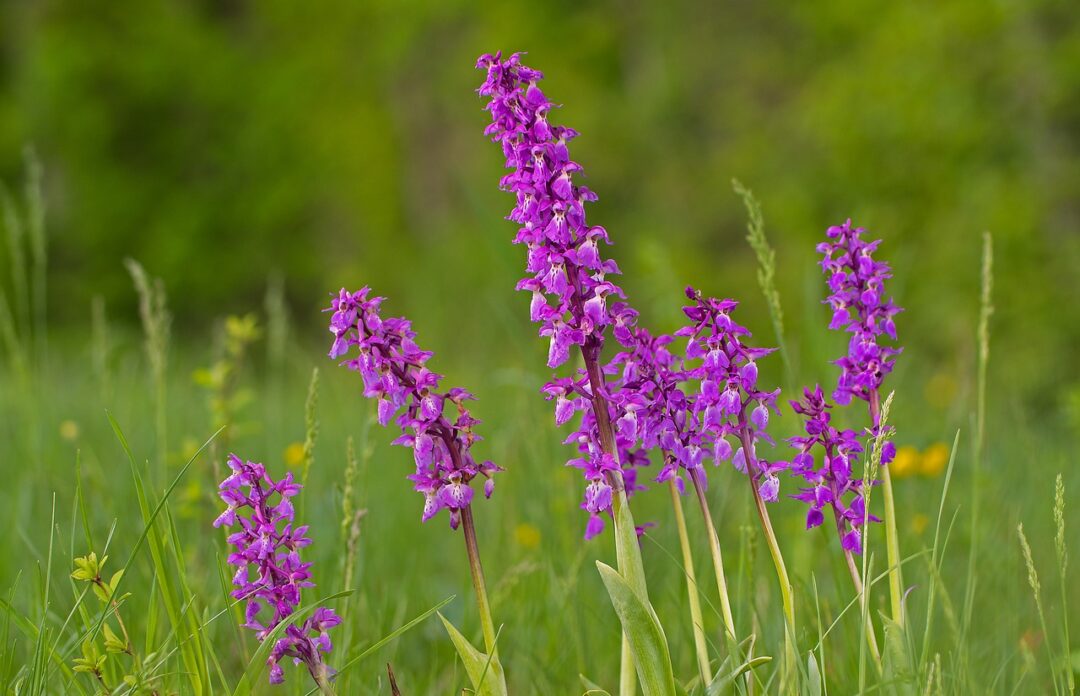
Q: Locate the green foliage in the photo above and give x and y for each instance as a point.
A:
(642, 629)
(485, 671)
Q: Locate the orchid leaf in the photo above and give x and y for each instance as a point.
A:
(485, 673)
(642, 628)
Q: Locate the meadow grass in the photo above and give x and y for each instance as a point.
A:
(109, 438)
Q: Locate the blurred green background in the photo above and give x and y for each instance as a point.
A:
(239, 147)
(223, 142)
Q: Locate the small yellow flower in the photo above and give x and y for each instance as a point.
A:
(69, 430)
(934, 459)
(919, 523)
(905, 463)
(527, 536)
(294, 454)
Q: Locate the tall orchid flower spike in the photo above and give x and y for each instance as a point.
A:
(576, 302)
(731, 403)
(574, 297)
(860, 307)
(268, 544)
(436, 425)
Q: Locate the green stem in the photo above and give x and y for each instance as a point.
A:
(319, 674)
(697, 623)
(482, 604)
(627, 670)
(717, 561)
(871, 637)
(627, 553)
(892, 549)
(892, 540)
(786, 594)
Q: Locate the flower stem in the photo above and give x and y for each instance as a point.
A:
(319, 674)
(697, 624)
(627, 555)
(774, 550)
(717, 560)
(482, 604)
(892, 540)
(871, 637)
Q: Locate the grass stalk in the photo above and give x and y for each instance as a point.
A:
(1062, 553)
(1036, 591)
(871, 635)
(311, 424)
(154, 314)
(892, 539)
(766, 274)
(986, 310)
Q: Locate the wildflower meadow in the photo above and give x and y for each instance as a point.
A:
(571, 451)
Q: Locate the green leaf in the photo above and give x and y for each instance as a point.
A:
(100, 592)
(113, 643)
(896, 660)
(485, 673)
(377, 645)
(725, 676)
(813, 672)
(642, 628)
(592, 688)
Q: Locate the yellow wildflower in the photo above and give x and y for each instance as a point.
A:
(294, 454)
(69, 430)
(527, 536)
(905, 463)
(934, 459)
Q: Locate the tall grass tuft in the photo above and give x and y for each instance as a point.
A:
(156, 321)
(311, 424)
(1036, 591)
(766, 274)
(986, 311)
(1062, 553)
(350, 515)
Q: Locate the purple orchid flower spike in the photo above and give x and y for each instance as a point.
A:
(395, 373)
(573, 296)
(860, 306)
(437, 426)
(729, 402)
(268, 544)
